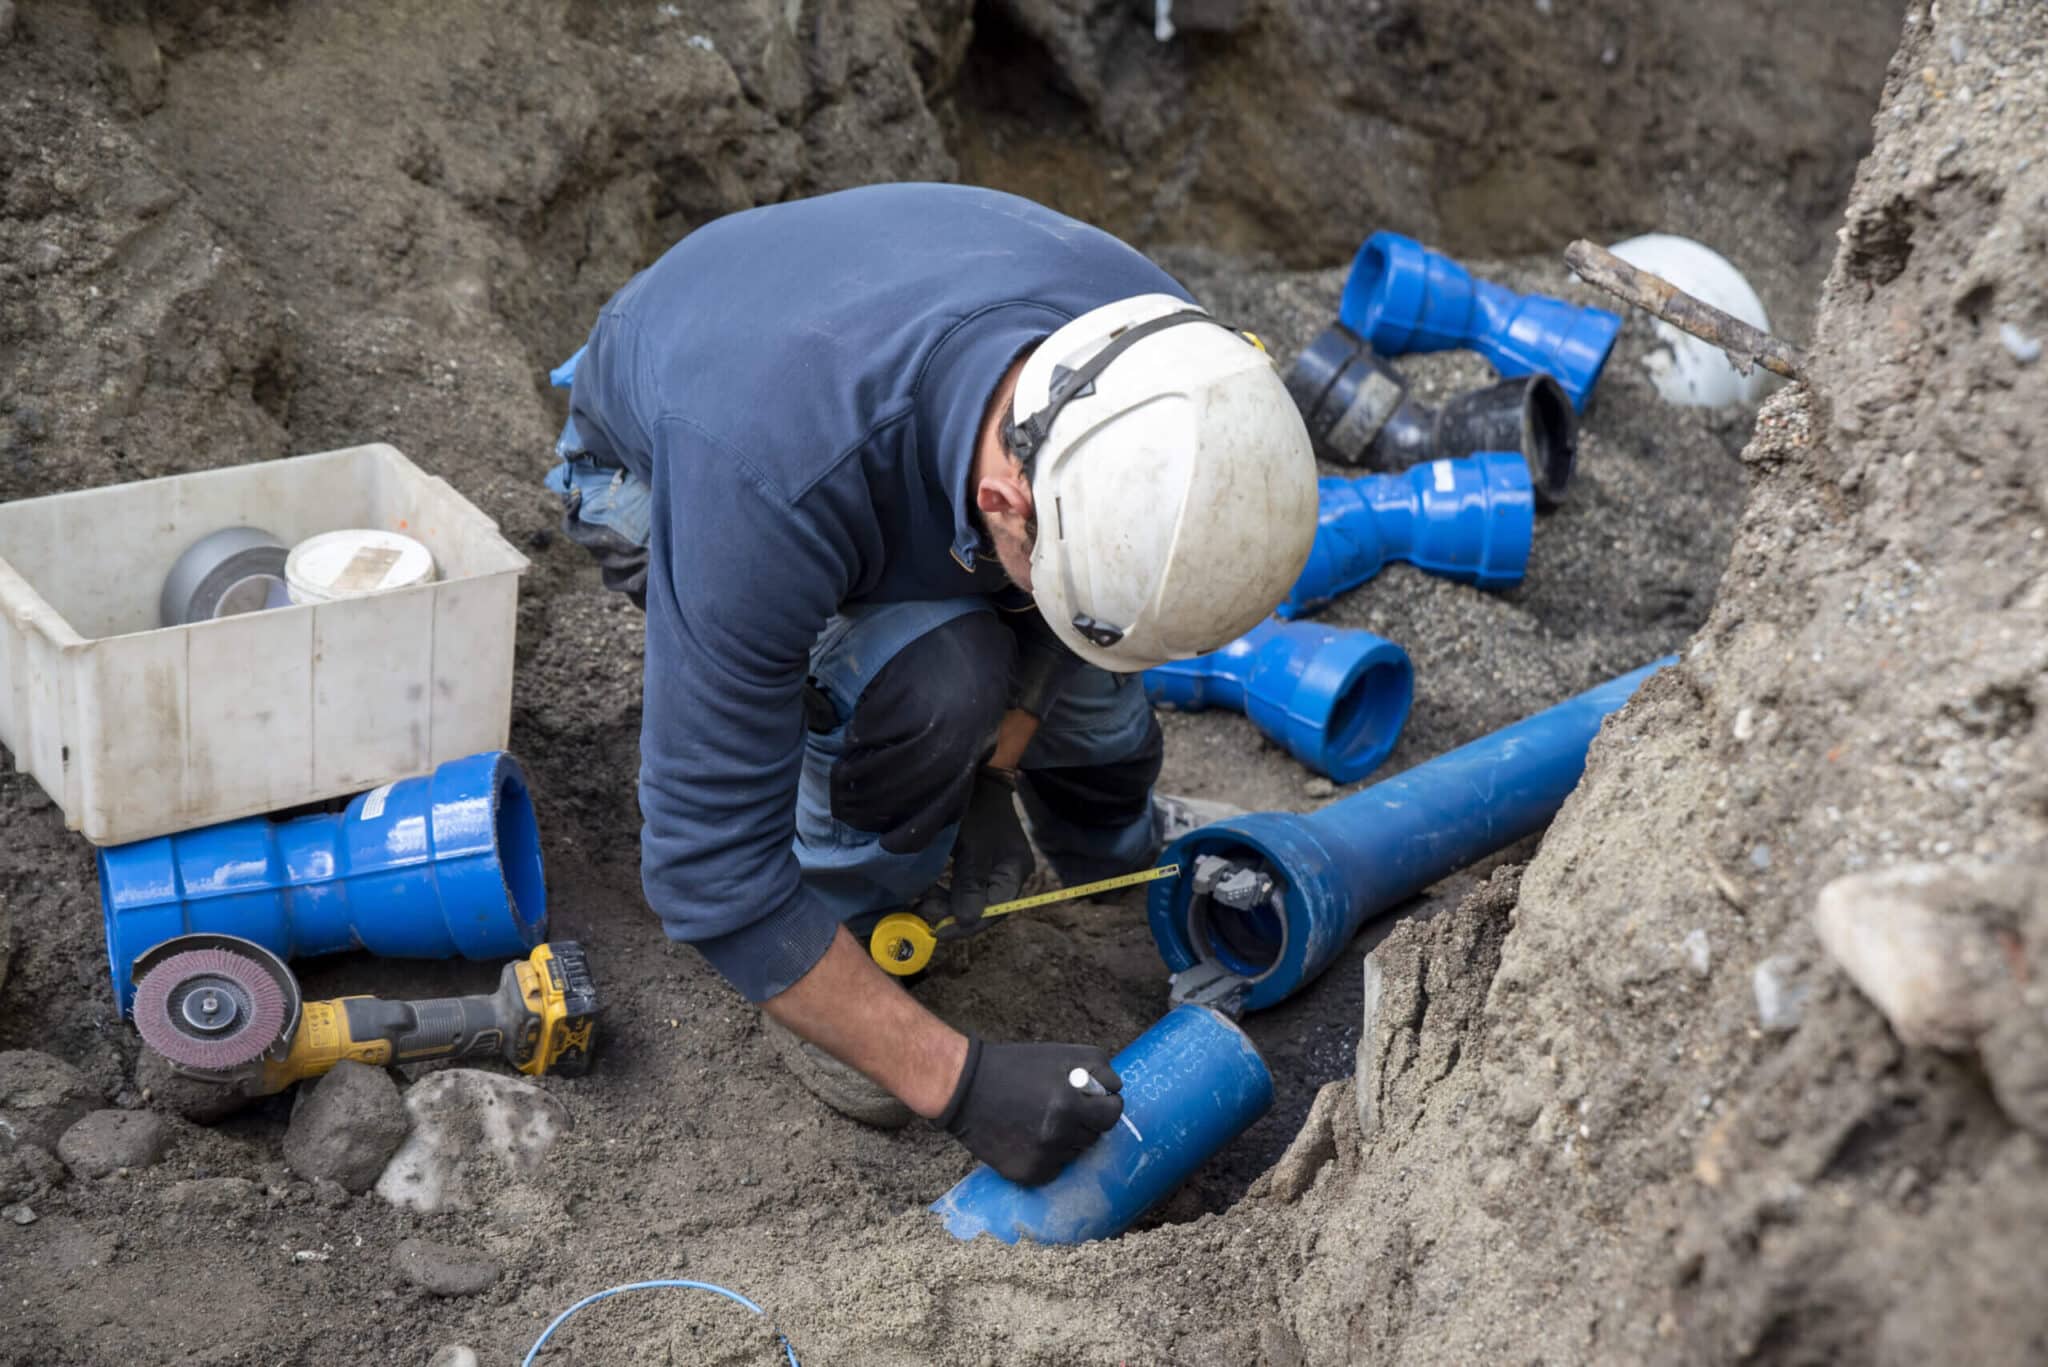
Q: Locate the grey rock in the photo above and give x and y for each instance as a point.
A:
(473, 1134)
(330, 1195)
(1698, 951)
(443, 1269)
(1908, 938)
(346, 1126)
(1319, 787)
(454, 1355)
(2020, 346)
(105, 1140)
(20, 1215)
(6, 22)
(1780, 998)
(214, 1195)
(40, 1097)
(202, 1103)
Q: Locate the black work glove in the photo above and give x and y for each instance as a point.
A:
(1015, 1110)
(991, 857)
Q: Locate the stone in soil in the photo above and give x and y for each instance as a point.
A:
(40, 1098)
(346, 1126)
(454, 1355)
(105, 1140)
(1905, 938)
(443, 1269)
(473, 1133)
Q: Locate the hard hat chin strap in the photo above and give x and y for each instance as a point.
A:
(1027, 437)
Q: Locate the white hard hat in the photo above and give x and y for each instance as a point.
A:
(1173, 479)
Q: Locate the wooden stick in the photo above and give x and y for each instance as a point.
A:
(1746, 346)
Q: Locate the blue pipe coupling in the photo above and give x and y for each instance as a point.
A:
(1334, 698)
(1265, 902)
(429, 868)
(1192, 1083)
(1471, 520)
(1403, 297)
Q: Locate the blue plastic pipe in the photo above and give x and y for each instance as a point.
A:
(1192, 1083)
(1403, 297)
(1334, 698)
(1471, 520)
(1340, 867)
(430, 868)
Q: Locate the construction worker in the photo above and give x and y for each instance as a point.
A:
(909, 480)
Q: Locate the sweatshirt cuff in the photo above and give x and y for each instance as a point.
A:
(765, 958)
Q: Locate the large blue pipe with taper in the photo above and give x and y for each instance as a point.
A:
(1470, 519)
(434, 867)
(1334, 698)
(1192, 1083)
(1268, 900)
(1402, 297)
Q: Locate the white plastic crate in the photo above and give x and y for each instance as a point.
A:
(138, 731)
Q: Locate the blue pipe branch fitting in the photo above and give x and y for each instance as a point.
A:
(1192, 1083)
(1316, 879)
(433, 867)
(1403, 297)
(1471, 520)
(1334, 698)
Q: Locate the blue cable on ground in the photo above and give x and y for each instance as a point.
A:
(597, 1296)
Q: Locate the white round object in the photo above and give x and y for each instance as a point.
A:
(1687, 371)
(353, 563)
(1176, 496)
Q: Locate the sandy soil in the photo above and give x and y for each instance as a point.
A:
(231, 232)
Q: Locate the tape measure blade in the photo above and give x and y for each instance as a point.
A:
(1043, 899)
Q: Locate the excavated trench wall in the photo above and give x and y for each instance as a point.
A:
(231, 231)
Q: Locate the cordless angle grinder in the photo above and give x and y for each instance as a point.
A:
(227, 1010)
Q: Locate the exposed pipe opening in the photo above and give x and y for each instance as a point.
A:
(1552, 436)
(1371, 706)
(1248, 937)
(518, 839)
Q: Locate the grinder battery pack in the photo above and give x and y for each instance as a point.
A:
(227, 1010)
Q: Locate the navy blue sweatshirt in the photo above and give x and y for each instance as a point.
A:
(801, 387)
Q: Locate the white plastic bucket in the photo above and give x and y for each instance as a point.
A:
(354, 563)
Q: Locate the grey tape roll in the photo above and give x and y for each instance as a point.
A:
(233, 570)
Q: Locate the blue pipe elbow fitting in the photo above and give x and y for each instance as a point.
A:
(433, 867)
(1315, 879)
(1335, 699)
(1403, 297)
(1471, 520)
(1192, 1083)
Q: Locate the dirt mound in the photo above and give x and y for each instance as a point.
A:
(230, 231)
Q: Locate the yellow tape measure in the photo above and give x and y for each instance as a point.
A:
(903, 941)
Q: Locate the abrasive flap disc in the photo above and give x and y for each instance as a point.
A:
(210, 1009)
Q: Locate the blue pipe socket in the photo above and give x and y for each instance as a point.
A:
(1192, 1083)
(1335, 699)
(1265, 902)
(1402, 297)
(1471, 520)
(429, 868)
(1359, 412)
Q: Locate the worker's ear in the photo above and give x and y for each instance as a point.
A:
(1003, 494)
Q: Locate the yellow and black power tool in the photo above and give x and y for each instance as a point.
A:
(227, 1010)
